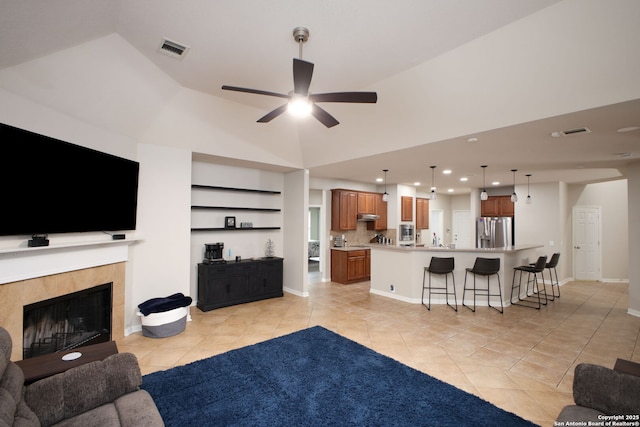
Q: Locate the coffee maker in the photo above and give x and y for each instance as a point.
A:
(213, 253)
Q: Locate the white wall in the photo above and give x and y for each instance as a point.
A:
(296, 223)
(160, 262)
(633, 176)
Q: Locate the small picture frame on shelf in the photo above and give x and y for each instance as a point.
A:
(229, 222)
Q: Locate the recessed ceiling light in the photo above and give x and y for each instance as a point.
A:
(464, 179)
(379, 179)
(624, 155)
(628, 129)
(495, 183)
(416, 183)
(472, 139)
(450, 190)
(446, 171)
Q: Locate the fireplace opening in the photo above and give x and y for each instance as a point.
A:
(66, 322)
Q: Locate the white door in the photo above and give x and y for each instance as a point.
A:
(463, 234)
(586, 243)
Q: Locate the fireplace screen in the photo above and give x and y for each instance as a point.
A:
(66, 322)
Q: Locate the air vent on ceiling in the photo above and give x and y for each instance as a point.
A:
(575, 131)
(172, 48)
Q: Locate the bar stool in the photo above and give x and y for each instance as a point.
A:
(484, 267)
(551, 266)
(538, 267)
(442, 266)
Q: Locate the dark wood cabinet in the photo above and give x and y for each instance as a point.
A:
(422, 213)
(406, 208)
(350, 266)
(497, 206)
(225, 284)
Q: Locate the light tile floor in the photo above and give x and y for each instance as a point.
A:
(521, 361)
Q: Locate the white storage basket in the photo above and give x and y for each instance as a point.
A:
(165, 324)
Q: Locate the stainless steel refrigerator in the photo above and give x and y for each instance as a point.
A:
(494, 232)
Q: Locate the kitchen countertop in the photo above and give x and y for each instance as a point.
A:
(352, 248)
(509, 249)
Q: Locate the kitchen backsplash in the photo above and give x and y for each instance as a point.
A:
(361, 236)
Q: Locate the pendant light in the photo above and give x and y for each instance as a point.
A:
(433, 187)
(528, 192)
(484, 195)
(385, 196)
(514, 196)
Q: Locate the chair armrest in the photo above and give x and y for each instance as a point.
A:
(83, 388)
(606, 390)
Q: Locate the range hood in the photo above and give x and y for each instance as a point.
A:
(367, 217)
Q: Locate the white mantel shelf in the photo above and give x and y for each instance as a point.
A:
(22, 263)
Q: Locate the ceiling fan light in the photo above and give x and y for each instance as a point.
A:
(299, 107)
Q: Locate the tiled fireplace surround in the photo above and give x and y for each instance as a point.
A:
(16, 294)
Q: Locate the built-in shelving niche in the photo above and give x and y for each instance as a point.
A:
(239, 209)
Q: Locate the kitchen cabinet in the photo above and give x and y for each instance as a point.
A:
(366, 203)
(406, 210)
(379, 224)
(350, 266)
(344, 210)
(225, 284)
(422, 213)
(497, 206)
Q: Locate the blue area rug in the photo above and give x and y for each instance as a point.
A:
(313, 377)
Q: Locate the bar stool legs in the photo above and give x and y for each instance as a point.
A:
(483, 267)
(551, 267)
(532, 288)
(440, 266)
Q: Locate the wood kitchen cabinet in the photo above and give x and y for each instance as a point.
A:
(344, 209)
(497, 206)
(380, 210)
(422, 213)
(350, 266)
(366, 203)
(406, 211)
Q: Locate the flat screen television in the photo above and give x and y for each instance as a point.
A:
(51, 186)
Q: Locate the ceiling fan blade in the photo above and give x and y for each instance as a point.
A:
(302, 73)
(273, 114)
(363, 97)
(255, 91)
(325, 118)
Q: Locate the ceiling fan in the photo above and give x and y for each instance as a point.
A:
(300, 96)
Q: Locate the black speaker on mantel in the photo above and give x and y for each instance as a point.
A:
(37, 241)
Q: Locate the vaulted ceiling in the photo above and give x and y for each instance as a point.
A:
(507, 73)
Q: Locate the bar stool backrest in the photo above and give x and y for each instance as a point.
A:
(540, 264)
(486, 266)
(441, 265)
(553, 262)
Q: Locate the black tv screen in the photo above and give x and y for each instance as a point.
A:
(51, 186)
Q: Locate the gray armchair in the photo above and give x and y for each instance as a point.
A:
(599, 391)
(104, 393)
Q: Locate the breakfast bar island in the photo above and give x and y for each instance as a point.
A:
(397, 271)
